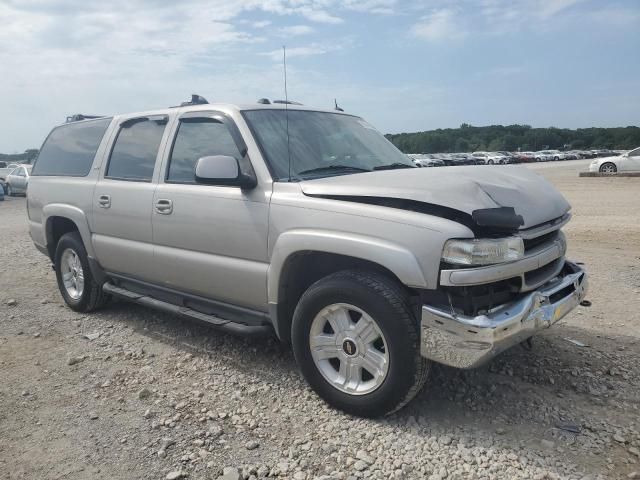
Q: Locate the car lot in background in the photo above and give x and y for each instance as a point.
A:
(17, 180)
(506, 157)
(627, 162)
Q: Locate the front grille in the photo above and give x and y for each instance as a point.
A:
(547, 238)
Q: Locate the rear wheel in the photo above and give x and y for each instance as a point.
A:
(490, 162)
(608, 167)
(357, 343)
(75, 281)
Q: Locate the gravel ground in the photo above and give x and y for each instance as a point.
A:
(135, 394)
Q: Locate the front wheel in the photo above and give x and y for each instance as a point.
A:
(608, 167)
(76, 283)
(357, 343)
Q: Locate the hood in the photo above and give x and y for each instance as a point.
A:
(464, 189)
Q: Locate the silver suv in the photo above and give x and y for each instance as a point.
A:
(308, 223)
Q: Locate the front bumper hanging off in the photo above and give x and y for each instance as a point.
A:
(467, 342)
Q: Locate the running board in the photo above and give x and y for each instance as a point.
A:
(217, 322)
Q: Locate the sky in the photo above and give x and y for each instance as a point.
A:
(403, 65)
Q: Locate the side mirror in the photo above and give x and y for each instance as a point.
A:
(222, 170)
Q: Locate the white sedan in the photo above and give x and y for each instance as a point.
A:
(627, 162)
(18, 180)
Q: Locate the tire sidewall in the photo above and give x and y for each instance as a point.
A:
(73, 241)
(400, 346)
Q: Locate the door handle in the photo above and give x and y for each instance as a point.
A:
(164, 206)
(104, 201)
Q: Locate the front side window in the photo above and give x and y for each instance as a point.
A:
(69, 149)
(197, 138)
(321, 144)
(134, 153)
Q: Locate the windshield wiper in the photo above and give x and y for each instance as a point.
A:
(334, 168)
(393, 166)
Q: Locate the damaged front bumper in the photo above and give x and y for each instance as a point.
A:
(467, 342)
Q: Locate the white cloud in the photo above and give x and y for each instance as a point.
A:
(304, 51)
(439, 25)
(293, 30)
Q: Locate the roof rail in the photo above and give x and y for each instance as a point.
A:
(195, 100)
(78, 117)
(286, 102)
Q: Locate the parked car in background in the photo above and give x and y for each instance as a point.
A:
(627, 162)
(6, 169)
(428, 160)
(543, 157)
(18, 180)
(1, 195)
(525, 157)
(490, 158)
(510, 156)
(463, 159)
(604, 152)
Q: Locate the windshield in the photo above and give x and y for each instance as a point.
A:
(321, 144)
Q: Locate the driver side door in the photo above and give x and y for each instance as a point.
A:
(210, 240)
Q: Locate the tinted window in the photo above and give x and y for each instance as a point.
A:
(320, 140)
(70, 149)
(198, 138)
(134, 154)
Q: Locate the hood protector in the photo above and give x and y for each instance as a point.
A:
(484, 198)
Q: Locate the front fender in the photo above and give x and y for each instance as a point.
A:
(394, 258)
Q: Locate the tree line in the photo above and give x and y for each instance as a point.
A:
(493, 138)
(25, 157)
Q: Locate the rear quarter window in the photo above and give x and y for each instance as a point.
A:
(69, 149)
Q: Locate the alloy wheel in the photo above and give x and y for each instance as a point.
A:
(349, 349)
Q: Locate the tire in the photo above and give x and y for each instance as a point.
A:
(376, 298)
(555, 159)
(90, 296)
(490, 162)
(608, 167)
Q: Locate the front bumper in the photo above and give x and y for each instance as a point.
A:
(467, 342)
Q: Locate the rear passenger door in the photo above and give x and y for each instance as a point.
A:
(123, 196)
(210, 240)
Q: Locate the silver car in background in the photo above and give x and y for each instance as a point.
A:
(18, 180)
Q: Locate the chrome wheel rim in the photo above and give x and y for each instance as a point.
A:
(608, 169)
(72, 273)
(349, 349)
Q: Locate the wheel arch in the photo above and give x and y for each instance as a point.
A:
(59, 219)
(302, 257)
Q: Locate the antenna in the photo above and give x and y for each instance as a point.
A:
(286, 104)
(335, 102)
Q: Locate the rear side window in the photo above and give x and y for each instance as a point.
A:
(196, 138)
(134, 153)
(69, 149)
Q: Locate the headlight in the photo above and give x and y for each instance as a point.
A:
(483, 251)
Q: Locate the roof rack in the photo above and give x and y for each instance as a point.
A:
(195, 100)
(286, 102)
(78, 117)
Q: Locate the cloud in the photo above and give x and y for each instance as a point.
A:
(293, 30)
(304, 51)
(439, 25)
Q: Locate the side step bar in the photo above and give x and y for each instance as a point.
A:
(217, 322)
